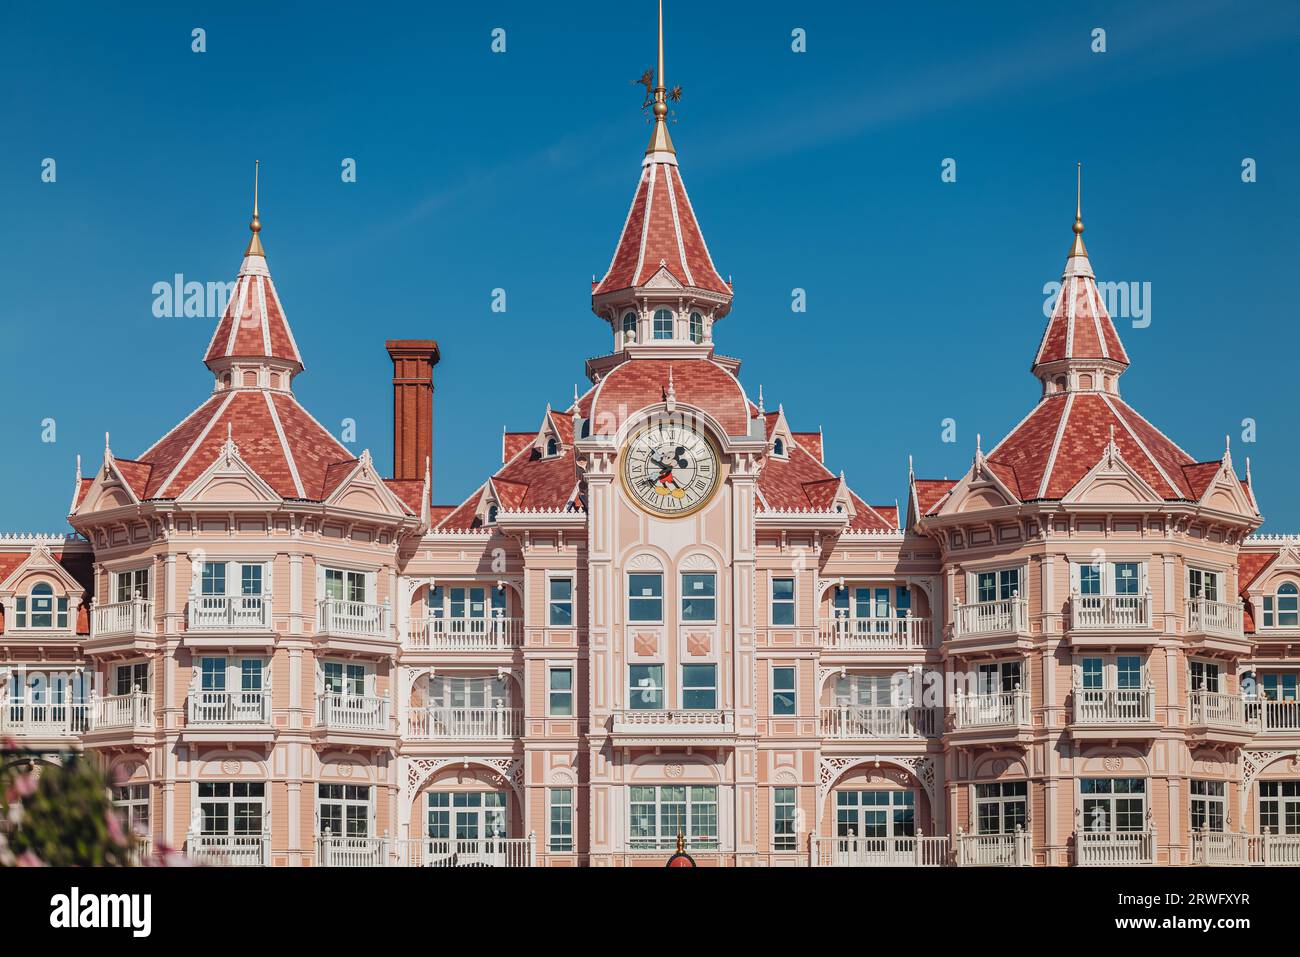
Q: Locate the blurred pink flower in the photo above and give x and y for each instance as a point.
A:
(115, 832)
(29, 859)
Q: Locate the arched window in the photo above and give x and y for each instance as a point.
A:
(586, 428)
(697, 328)
(778, 448)
(663, 324)
(629, 327)
(40, 609)
(492, 514)
(1283, 609)
(552, 448)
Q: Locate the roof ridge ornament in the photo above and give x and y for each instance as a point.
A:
(255, 226)
(1077, 248)
(670, 395)
(657, 99)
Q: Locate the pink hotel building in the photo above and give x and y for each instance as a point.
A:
(663, 614)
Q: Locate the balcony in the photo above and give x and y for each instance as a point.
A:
(221, 621)
(988, 718)
(994, 850)
(253, 850)
(121, 625)
(356, 720)
(990, 625)
(450, 852)
(918, 851)
(1098, 619)
(1212, 715)
(121, 719)
(33, 722)
(469, 635)
(1114, 848)
(353, 851)
(1114, 713)
(1224, 849)
(1273, 717)
(352, 626)
(851, 722)
(223, 716)
(649, 726)
(876, 634)
(1216, 628)
(493, 723)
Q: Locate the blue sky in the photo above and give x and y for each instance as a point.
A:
(818, 170)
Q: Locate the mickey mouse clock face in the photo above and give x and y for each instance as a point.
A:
(670, 469)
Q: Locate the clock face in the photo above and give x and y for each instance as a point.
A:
(670, 469)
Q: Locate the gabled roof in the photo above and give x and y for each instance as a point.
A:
(929, 494)
(800, 482)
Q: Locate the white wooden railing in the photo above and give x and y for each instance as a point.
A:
(27, 719)
(134, 617)
(1005, 617)
(1109, 612)
(1003, 709)
(349, 712)
(994, 850)
(918, 851)
(452, 852)
(845, 633)
(1227, 849)
(464, 634)
(140, 853)
(351, 619)
(1114, 705)
(1216, 709)
(1114, 848)
(335, 851)
(229, 613)
(464, 724)
(686, 722)
(1273, 717)
(885, 721)
(1219, 618)
(253, 850)
(222, 708)
(133, 710)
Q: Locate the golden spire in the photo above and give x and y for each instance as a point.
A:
(255, 244)
(1077, 249)
(660, 141)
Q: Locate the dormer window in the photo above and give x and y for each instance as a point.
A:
(663, 324)
(552, 448)
(778, 448)
(697, 328)
(40, 609)
(629, 327)
(492, 515)
(1282, 610)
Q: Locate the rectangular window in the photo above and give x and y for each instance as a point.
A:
(1114, 804)
(1282, 609)
(645, 597)
(645, 687)
(1279, 685)
(343, 585)
(132, 677)
(1204, 675)
(561, 603)
(783, 601)
(998, 585)
(466, 815)
(132, 805)
(1202, 584)
(699, 601)
(656, 815)
(231, 809)
(999, 676)
(1128, 578)
(875, 814)
(250, 579)
(214, 578)
(560, 701)
(344, 678)
(700, 687)
(1090, 579)
(561, 819)
(784, 816)
(446, 691)
(213, 674)
(437, 602)
(1000, 808)
(783, 691)
(344, 810)
(1208, 805)
(1279, 807)
(127, 584)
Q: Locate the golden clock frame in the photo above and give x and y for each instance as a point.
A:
(684, 513)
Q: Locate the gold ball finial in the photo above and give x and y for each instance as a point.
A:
(1077, 247)
(255, 244)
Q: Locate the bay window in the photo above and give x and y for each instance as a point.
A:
(1203, 584)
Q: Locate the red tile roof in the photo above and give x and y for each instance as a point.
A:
(1080, 327)
(512, 442)
(702, 383)
(254, 324)
(930, 494)
(812, 441)
(408, 491)
(661, 229)
(801, 482)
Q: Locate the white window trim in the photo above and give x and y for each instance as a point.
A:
(571, 667)
(772, 689)
(662, 689)
(772, 576)
(572, 578)
(627, 596)
(371, 817)
(682, 596)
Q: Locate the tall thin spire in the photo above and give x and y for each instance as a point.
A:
(1077, 249)
(255, 244)
(660, 141)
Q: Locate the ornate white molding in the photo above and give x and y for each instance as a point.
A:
(920, 766)
(419, 770)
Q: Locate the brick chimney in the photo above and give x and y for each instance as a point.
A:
(413, 362)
